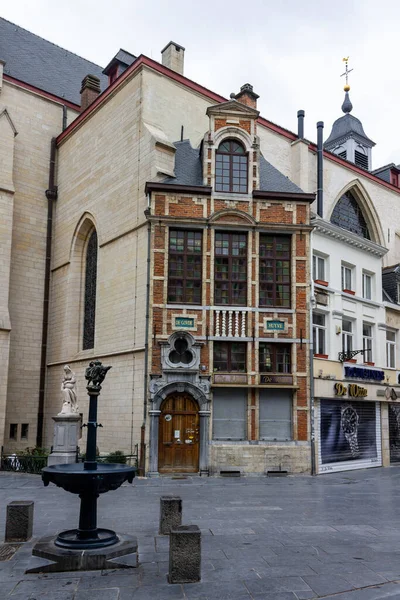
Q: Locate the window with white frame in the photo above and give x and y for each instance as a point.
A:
(390, 349)
(347, 336)
(347, 277)
(319, 267)
(319, 333)
(366, 285)
(367, 342)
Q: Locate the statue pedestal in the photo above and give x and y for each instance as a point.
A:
(65, 441)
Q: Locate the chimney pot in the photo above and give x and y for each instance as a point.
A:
(173, 56)
(90, 89)
(247, 96)
(300, 123)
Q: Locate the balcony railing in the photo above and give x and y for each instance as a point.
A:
(230, 323)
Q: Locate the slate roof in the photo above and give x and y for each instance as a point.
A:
(44, 65)
(344, 127)
(123, 58)
(188, 171)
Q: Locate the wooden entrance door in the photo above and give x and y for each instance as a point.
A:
(178, 439)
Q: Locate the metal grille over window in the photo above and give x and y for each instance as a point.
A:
(348, 215)
(231, 168)
(230, 269)
(90, 292)
(185, 265)
(274, 271)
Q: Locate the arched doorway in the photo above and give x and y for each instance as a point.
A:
(179, 435)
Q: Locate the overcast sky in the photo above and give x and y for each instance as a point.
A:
(290, 50)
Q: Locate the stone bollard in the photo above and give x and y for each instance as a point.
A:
(19, 522)
(170, 513)
(185, 554)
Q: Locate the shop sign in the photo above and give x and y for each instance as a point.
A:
(284, 379)
(353, 390)
(184, 323)
(274, 325)
(229, 378)
(364, 373)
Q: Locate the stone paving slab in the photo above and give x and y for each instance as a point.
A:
(335, 537)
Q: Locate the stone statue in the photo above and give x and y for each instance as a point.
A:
(68, 392)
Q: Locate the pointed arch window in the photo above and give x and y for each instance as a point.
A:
(89, 316)
(231, 168)
(348, 215)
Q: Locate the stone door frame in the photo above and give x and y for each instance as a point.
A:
(155, 411)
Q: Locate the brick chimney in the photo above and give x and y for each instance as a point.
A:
(173, 56)
(90, 89)
(247, 96)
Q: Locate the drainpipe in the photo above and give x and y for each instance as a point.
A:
(311, 350)
(320, 173)
(146, 347)
(300, 124)
(51, 195)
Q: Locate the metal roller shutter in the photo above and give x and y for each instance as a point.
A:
(349, 435)
(394, 432)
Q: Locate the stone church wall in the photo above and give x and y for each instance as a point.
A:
(37, 120)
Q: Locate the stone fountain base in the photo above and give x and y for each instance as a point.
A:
(122, 555)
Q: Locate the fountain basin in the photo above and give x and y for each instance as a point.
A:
(76, 479)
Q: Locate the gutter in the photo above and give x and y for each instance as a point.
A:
(51, 195)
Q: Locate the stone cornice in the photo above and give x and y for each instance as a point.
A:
(349, 238)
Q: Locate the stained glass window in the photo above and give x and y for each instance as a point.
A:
(348, 215)
(231, 168)
(90, 292)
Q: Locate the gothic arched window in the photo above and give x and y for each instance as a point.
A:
(231, 168)
(89, 316)
(348, 215)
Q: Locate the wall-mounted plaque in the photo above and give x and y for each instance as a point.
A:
(274, 325)
(184, 323)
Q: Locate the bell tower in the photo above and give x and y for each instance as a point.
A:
(348, 138)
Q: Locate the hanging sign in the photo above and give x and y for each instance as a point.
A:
(364, 373)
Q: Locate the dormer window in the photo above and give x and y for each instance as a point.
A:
(231, 168)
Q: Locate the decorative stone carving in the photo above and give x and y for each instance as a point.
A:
(68, 392)
(95, 375)
(181, 351)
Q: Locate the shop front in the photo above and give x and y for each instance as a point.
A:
(348, 421)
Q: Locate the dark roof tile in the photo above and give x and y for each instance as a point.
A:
(188, 171)
(44, 65)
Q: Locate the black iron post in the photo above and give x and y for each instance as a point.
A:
(91, 442)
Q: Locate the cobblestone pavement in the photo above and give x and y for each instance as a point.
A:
(335, 536)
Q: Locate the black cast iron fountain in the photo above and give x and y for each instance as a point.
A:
(89, 479)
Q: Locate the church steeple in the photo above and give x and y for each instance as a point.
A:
(348, 138)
